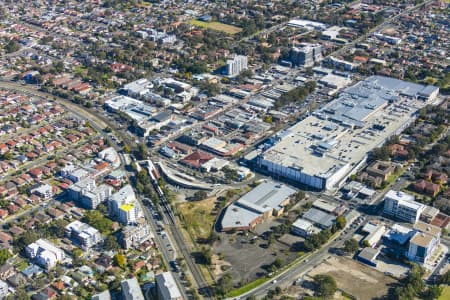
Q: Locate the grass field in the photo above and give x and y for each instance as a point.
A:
(230, 29)
(198, 217)
(445, 293)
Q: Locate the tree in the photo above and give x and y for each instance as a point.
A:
(111, 243)
(199, 195)
(351, 245)
(224, 284)
(300, 195)
(340, 222)
(120, 260)
(126, 149)
(365, 243)
(432, 292)
(278, 263)
(98, 221)
(326, 286)
(445, 279)
(4, 255)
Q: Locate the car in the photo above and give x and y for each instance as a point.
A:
(274, 281)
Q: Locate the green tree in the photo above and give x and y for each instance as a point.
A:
(120, 260)
(111, 243)
(326, 286)
(4, 255)
(340, 222)
(126, 149)
(224, 284)
(98, 221)
(351, 245)
(199, 195)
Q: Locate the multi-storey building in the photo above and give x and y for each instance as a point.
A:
(88, 194)
(44, 253)
(306, 55)
(124, 206)
(83, 234)
(402, 206)
(236, 65)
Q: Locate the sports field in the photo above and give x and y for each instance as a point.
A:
(230, 29)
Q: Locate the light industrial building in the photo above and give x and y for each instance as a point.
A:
(303, 228)
(264, 201)
(236, 65)
(323, 149)
(166, 287)
(402, 206)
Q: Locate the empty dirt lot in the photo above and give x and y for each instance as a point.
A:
(356, 279)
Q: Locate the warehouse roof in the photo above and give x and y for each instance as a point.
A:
(319, 217)
(316, 148)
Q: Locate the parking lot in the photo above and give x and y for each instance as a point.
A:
(250, 258)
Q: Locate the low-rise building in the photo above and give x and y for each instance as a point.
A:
(303, 228)
(263, 202)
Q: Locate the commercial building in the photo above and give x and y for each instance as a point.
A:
(124, 206)
(402, 206)
(131, 290)
(374, 233)
(422, 247)
(88, 194)
(368, 256)
(83, 234)
(323, 149)
(303, 228)
(166, 287)
(319, 218)
(146, 116)
(263, 202)
(236, 65)
(44, 253)
(306, 55)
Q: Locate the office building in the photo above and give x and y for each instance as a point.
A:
(306, 55)
(166, 287)
(44, 253)
(236, 65)
(83, 234)
(422, 247)
(131, 290)
(402, 206)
